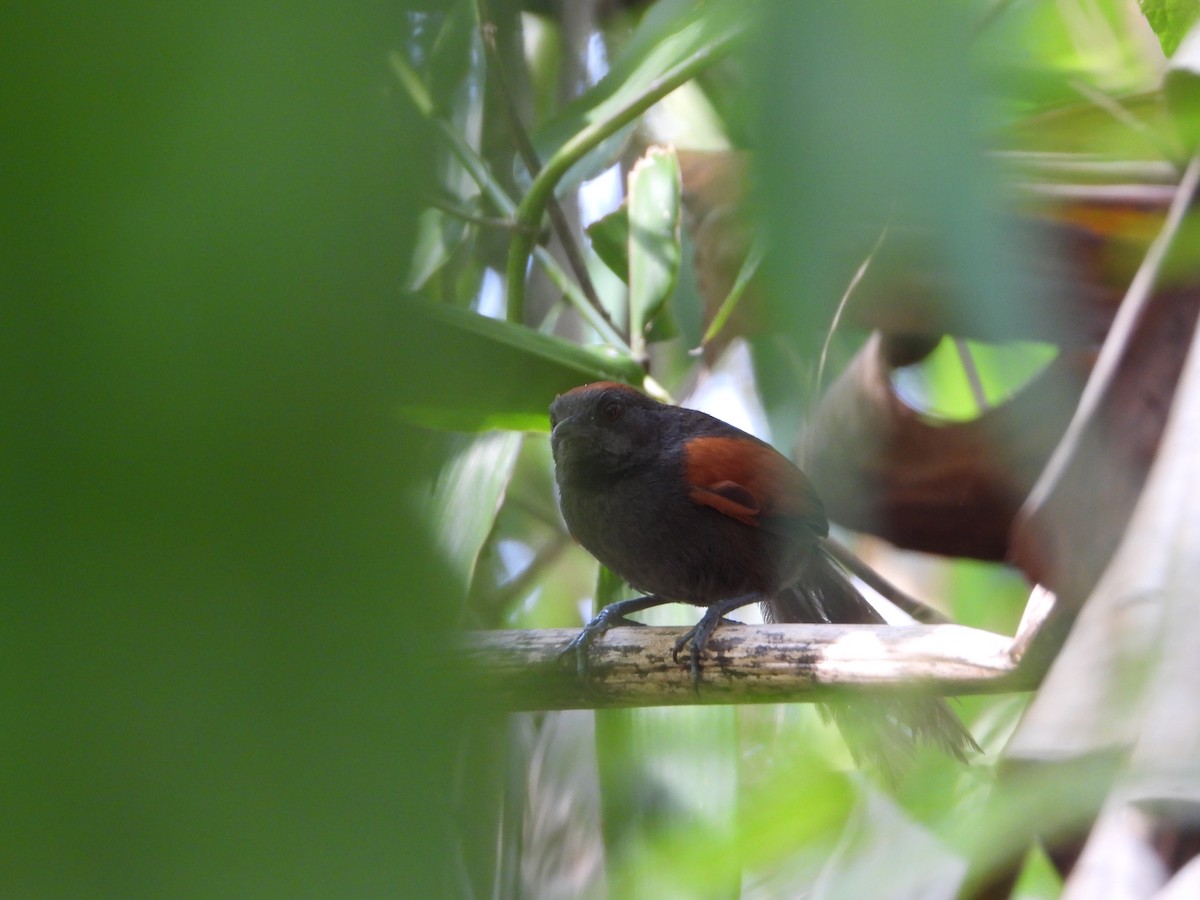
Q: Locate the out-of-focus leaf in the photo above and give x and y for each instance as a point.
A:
(690, 858)
(669, 33)
(686, 119)
(438, 235)
(543, 40)
(452, 58)
(1144, 131)
(1183, 89)
(745, 274)
(610, 240)
(1170, 20)
(469, 490)
(663, 328)
(1039, 879)
(654, 245)
(479, 373)
(1044, 58)
(868, 119)
(939, 387)
(224, 618)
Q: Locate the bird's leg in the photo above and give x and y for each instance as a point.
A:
(699, 633)
(609, 617)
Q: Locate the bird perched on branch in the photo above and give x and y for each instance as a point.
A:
(691, 509)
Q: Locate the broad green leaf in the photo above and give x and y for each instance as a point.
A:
(479, 373)
(654, 243)
(692, 857)
(1170, 20)
(669, 33)
(1046, 59)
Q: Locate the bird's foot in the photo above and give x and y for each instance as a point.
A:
(699, 633)
(698, 636)
(609, 617)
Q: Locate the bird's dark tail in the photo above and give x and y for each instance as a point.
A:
(878, 730)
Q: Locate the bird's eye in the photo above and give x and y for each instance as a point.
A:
(611, 411)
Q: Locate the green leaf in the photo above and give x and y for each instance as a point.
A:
(480, 373)
(610, 240)
(216, 582)
(654, 243)
(895, 143)
(1170, 20)
(939, 387)
(669, 33)
(745, 275)
(1182, 87)
(438, 235)
(1143, 132)
(468, 493)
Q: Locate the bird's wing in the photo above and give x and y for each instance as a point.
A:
(753, 483)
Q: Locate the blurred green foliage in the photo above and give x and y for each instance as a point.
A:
(224, 626)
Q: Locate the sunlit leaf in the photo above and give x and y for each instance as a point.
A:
(1170, 19)
(942, 386)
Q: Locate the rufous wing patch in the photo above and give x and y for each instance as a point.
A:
(752, 483)
(729, 498)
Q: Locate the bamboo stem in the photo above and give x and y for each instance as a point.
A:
(632, 667)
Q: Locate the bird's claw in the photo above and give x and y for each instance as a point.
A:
(697, 636)
(581, 644)
(687, 637)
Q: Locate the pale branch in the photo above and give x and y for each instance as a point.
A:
(632, 666)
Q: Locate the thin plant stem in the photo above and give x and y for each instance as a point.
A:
(558, 218)
(533, 205)
(478, 170)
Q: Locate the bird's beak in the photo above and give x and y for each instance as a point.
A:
(562, 426)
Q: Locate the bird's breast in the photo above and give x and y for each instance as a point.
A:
(659, 541)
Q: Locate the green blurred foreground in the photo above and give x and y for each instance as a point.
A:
(219, 612)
